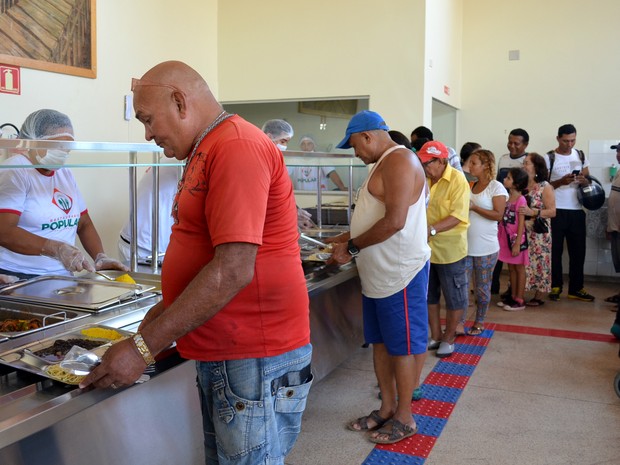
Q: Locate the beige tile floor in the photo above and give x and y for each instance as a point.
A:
(536, 400)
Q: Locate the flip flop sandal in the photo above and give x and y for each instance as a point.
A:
(535, 303)
(398, 432)
(476, 330)
(362, 422)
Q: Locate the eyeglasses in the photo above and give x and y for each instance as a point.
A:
(143, 82)
(426, 163)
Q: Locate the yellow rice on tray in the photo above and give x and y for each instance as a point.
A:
(102, 333)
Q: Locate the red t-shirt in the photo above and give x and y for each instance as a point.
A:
(237, 189)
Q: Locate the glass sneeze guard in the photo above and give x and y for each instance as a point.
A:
(350, 169)
(100, 155)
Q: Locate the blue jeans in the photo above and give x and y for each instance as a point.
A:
(252, 408)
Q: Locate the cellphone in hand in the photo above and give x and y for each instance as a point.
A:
(575, 172)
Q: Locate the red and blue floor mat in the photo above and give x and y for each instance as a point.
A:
(444, 385)
(442, 388)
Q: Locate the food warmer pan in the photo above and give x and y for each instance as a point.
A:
(71, 292)
(19, 318)
(37, 356)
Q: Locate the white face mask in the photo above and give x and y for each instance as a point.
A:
(282, 147)
(53, 157)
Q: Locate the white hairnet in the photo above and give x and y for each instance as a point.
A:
(277, 129)
(307, 143)
(43, 124)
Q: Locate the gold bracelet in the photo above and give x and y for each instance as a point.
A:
(143, 349)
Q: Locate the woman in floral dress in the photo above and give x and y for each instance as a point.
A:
(541, 202)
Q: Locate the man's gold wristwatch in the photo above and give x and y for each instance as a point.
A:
(143, 349)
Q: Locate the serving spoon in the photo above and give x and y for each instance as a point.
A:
(313, 240)
(109, 278)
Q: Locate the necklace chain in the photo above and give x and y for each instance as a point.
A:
(218, 120)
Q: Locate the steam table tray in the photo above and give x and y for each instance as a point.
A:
(78, 293)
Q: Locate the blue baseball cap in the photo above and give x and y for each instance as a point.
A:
(363, 121)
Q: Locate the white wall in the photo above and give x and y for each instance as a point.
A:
(444, 27)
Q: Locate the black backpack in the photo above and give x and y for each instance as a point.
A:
(551, 155)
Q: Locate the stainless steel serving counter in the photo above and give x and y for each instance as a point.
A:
(336, 328)
(42, 421)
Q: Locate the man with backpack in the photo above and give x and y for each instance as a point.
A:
(568, 168)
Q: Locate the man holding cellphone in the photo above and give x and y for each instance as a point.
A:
(568, 168)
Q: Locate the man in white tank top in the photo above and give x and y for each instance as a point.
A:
(388, 239)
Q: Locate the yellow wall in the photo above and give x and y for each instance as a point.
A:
(324, 48)
(131, 37)
(568, 72)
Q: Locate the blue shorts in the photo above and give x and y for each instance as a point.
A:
(451, 280)
(399, 321)
(252, 408)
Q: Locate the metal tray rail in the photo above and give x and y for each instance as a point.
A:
(148, 281)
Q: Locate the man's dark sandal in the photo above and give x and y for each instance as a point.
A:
(362, 422)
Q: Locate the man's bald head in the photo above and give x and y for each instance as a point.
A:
(175, 105)
(177, 74)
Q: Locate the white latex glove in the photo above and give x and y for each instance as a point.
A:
(70, 257)
(304, 219)
(103, 262)
(7, 279)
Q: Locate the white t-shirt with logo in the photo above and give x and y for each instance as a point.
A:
(48, 206)
(304, 177)
(566, 196)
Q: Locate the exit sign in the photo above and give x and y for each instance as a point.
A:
(9, 80)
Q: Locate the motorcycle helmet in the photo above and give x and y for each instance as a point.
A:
(591, 197)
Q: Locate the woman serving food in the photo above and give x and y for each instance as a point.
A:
(42, 210)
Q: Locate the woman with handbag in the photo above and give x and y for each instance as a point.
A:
(540, 207)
